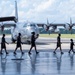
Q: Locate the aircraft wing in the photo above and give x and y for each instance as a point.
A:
(73, 24)
(8, 25)
(57, 25)
(11, 18)
(42, 24)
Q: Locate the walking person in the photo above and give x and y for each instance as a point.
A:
(3, 44)
(33, 43)
(18, 44)
(71, 46)
(58, 44)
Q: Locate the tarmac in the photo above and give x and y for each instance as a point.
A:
(41, 43)
(44, 63)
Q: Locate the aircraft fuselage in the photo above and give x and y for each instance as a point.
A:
(25, 30)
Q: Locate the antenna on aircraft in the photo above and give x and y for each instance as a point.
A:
(16, 11)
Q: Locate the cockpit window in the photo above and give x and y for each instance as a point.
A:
(25, 25)
(31, 25)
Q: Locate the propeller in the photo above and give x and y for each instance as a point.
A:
(2, 27)
(48, 25)
(70, 25)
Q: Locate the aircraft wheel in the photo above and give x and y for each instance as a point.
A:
(13, 40)
(28, 42)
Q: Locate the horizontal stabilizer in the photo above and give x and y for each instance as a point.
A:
(12, 18)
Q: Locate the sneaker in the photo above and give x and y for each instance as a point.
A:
(37, 52)
(22, 52)
(7, 53)
(62, 53)
(14, 52)
(29, 53)
(54, 52)
(69, 52)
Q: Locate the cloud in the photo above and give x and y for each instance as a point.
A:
(44, 5)
(40, 10)
(66, 9)
(23, 4)
(5, 8)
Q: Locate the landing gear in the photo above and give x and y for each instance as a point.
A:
(28, 42)
(13, 40)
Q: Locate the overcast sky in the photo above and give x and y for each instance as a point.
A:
(38, 11)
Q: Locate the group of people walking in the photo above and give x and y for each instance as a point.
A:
(18, 44)
(59, 45)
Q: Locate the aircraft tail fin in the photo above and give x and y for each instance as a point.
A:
(70, 21)
(16, 11)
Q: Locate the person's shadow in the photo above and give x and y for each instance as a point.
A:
(18, 63)
(3, 64)
(58, 61)
(33, 62)
(71, 60)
